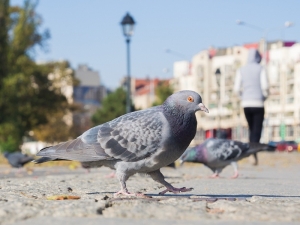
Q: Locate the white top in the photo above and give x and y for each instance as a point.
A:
(263, 84)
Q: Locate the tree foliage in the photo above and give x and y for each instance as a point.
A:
(113, 106)
(162, 92)
(28, 97)
(4, 12)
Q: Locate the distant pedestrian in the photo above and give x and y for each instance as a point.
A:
(251, 84)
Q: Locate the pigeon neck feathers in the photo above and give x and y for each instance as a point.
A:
(195, 154)
(201, 154)
(182, 122)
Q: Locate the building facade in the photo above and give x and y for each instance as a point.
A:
(143, 91)
(282, 118)
(88, 94)
(212, 73)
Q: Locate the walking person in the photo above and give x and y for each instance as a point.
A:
(251, 84)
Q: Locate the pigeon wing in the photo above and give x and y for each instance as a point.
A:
(131, 137)
(226, 150)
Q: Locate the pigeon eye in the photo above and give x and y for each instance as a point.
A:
(190, 99)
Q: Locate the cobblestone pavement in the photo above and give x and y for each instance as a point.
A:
(268, 192)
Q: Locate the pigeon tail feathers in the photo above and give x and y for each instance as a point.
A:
(74, 150)
(257, 147)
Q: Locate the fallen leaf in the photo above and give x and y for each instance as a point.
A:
(63, 197)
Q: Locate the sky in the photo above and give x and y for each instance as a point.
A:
(89, 31)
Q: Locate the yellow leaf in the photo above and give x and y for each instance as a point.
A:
(63, 197)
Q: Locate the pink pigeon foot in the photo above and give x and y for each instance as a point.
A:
(111, 175)
(235, 175)
(127, 193)
(215, 175)
(175, 190)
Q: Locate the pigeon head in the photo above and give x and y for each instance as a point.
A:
(6, 154)
(187, 101)
(195, 154)
(188, 156)
(179, 109)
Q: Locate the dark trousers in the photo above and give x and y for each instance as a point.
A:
(255, 118)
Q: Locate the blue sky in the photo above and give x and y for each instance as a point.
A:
(89, 31)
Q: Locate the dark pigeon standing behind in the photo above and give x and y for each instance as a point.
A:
(137, 142)
(17, 159)
(216, 154)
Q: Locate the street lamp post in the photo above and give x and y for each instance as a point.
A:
(127, 24)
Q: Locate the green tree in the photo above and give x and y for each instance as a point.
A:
(58, 127)
(27, 94)
(113, 106)
(4, 12)
(162, 92)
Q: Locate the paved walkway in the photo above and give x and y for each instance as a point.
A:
(268, 192)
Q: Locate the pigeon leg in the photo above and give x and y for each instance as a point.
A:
(122, 179)
(159, 177)
(124, 191)
(216, 173)
(235, 168)
(255, 159)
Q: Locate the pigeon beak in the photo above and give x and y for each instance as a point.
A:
(203, 108)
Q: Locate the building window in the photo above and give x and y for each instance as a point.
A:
(200, 135)
(245, 132)
(290, 100)
(290, 131)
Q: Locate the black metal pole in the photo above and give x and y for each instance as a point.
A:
(128, 96)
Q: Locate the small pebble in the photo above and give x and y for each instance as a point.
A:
(105, 197)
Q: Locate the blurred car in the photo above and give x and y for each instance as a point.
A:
(288, 146)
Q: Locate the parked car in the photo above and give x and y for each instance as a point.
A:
(288, 146)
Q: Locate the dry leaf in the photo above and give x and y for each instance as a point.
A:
(63, 197)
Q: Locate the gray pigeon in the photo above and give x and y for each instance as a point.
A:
(216, 154)
(17, 159)
(137, 142)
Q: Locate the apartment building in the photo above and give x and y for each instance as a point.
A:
(212, 73)
(282, 118)
(143, 91)
(89, 94)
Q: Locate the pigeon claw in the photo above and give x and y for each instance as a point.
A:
(175, 190)
(128, 194)
(235, 175)
(215, 175)
(111, 175)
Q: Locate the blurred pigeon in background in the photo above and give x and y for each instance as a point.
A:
(216, 154)
(17, 159)
(138, 142)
